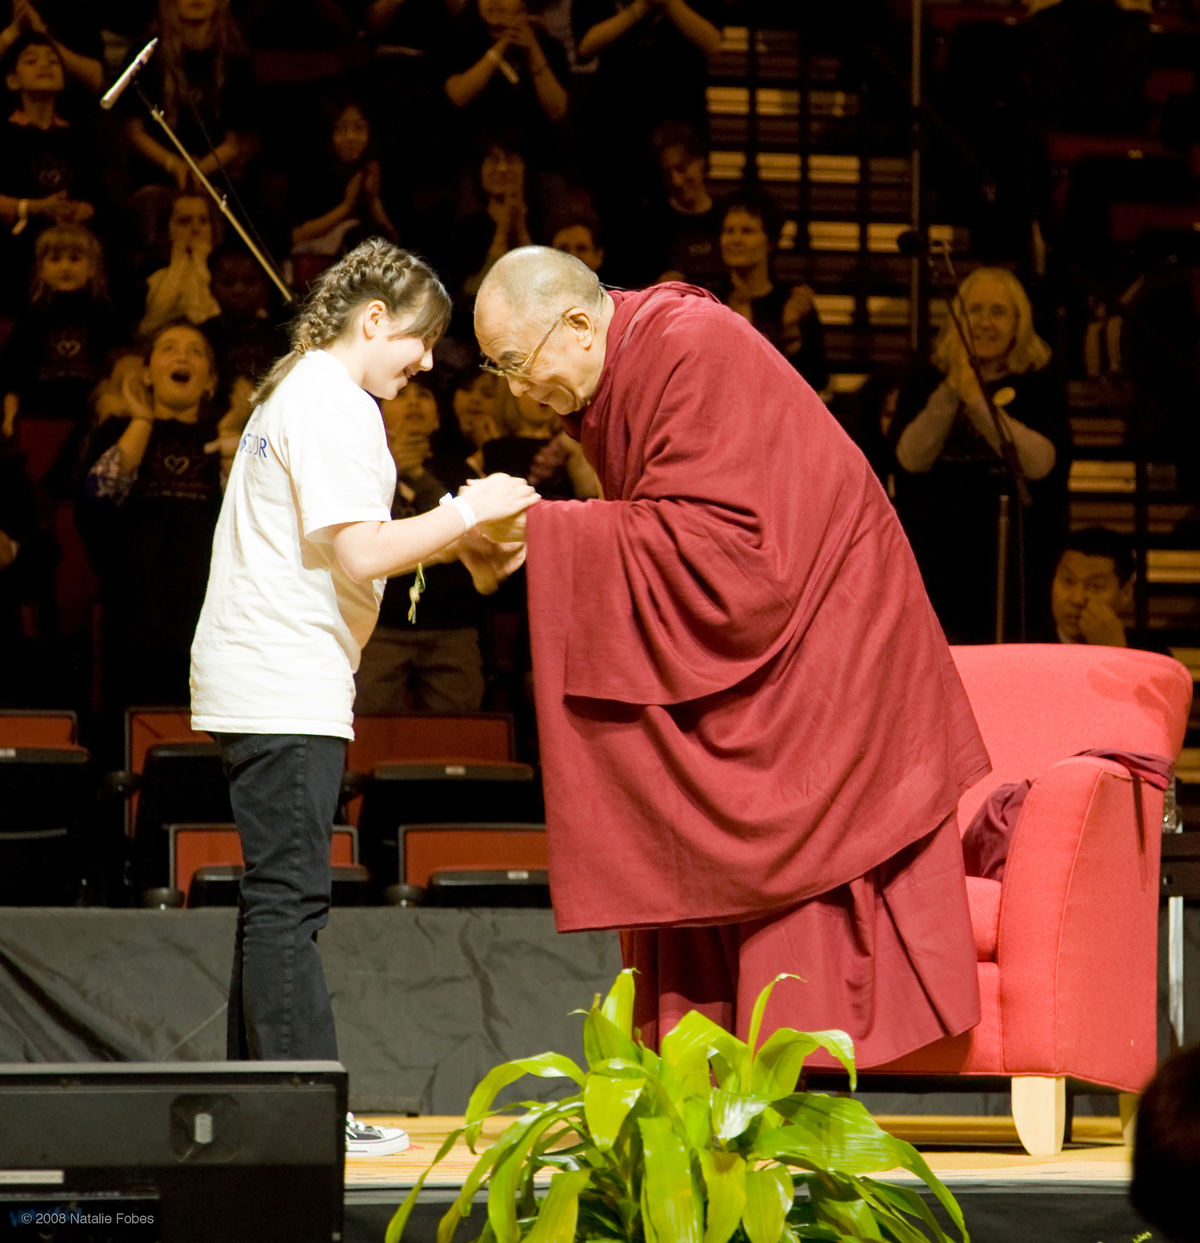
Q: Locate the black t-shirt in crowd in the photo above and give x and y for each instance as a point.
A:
(503, 106)
(153, 550)
(36, 163)
(652, 73)
(950, 511)
(55, 354)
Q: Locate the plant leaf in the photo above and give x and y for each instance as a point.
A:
(559, 1211)
(395, 1230)
(760, 1009)
(777, 1065)
(725, 1181)
(545, 1066)
(510, 1169)
(769, 1195)
(732, 1112)
(618, 1005)
(604, 1040)
(607, 1102)
(668, 1192)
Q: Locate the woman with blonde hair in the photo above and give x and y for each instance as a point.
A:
(950, 471)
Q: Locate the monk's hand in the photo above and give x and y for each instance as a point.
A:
(489, 563)
(505, 530)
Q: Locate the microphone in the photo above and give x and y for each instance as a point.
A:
(119, 87)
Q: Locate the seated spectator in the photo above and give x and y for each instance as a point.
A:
(55, 355)
(246, 336)
(950, 473)
(1092, 588)
(1166, 1149)
(1088, 65)
(25, 561)
(431, 663)
(150, 498)
(509, 73)
(475, 402)
(786, 316)
(183, 289)
(651, 58)
(202, 80)
(537, 450)
(482, 237)
(685, 231)
(47, 174)
(579, 234)
(338, 201)
(71, 29)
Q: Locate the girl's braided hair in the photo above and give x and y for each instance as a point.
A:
(373, 271)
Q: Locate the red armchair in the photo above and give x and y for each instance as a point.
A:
(1067, 942)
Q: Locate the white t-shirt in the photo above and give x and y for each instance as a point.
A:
(282, 627)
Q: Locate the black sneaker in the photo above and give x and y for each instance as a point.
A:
(363, 1140)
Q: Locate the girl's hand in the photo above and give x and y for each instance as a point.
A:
(498, 496)
(354, 189)
(137, 400)
(372, 177)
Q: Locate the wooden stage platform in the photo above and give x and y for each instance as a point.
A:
(1079, 1196)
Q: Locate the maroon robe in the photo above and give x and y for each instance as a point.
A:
(753, 737)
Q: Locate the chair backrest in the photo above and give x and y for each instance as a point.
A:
(45, 730)
(146, 727)
(1037, 704)
(428, 848)
(417, 737)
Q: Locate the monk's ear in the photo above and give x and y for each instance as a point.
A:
(583, 324)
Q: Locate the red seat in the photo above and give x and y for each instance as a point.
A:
(1068, 953)
(144, 727)
(44, 730)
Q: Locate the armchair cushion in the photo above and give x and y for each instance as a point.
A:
(983, 897)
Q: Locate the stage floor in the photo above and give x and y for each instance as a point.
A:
(1007, 1196)
(959, 1151)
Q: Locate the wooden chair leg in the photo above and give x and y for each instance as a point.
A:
(1127, 1103)
(1039, 1109)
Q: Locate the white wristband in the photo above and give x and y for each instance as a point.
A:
(460, 503)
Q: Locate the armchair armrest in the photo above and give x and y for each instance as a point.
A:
(1077, 943)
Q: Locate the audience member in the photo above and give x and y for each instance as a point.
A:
(787, 317)
(475, 402)
(246, 336)
(55, 355)
(429, 661)
(47, 174)
(685, 229)
(536, 449)
(23, 558)
(950, 473)
(73, 31)
(479, 238)
(1093, 588)
(339, 201)
(183, 289)
(508, 72)
(651, 58)
(1166, 1149)
(580, 234)
(204, 84)
(1088, 65)
(151, 494)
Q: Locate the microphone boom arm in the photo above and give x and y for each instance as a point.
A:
(220, 200)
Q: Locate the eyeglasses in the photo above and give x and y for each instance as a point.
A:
(521, 371)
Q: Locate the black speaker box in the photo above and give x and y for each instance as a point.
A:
(201, 1152)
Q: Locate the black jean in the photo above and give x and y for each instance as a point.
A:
(284, 791)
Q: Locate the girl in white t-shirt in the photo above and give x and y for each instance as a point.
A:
(302, 549)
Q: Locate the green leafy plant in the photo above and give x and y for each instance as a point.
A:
(704, 1142)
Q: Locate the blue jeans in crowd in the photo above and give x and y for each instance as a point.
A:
(284, 791)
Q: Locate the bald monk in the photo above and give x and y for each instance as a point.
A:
(753, 737)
